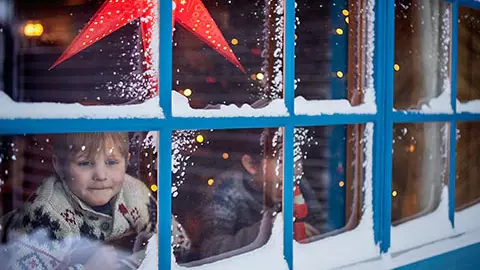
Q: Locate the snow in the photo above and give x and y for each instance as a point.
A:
(272, 252)
(49, 110)
(468, 107)
(351, 246)
(330, 107)
(440, 104)
(419, 231)
(181, 108)
(463, 219)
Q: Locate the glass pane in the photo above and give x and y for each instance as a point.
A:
(468, 76)
(422, 48)
(208, 69)
(328, 181)
(329, 58)
(420, 169)
(227, 190)
(102, 65)
(467, 181)
(88, 199)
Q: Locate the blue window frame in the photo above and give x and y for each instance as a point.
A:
(383, 121)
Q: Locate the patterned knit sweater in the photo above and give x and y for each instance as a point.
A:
(56, 230)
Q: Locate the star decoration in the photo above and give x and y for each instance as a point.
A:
(114, 14)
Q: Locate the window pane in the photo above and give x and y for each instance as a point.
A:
(420, 169)
(110, 71)
(84, 198)
(329, 58)
(204, 68)
(468, 76)
(328, 181)
(467, 181)
(422, 46)
(227, 190)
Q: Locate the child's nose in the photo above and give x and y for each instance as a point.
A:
(100, 173)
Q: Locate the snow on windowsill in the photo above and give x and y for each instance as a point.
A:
(49, 110)
(423, 230)
(438, 105)
(271, 253)
(329, 107)
(468, 107)
(181, 108)
(463, 219)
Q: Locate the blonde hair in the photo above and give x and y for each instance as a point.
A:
(69, 145)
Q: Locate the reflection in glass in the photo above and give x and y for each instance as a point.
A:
(254, 33)
(111, 71)
(227, 190)
(420, 169)
(422, 47)
(77, 199)
(327, 47)
(325, 185)
(468, 76)
(467, 184)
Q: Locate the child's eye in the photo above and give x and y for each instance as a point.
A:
(85, 163)
(112, 162)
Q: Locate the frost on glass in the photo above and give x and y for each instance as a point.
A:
(328, 181)
(330, 57)
(253, 32)
(422, 46)
(111, 68)
(80, 200)
(227, 190)
(420, 169)
(467, 184)
(468, 76)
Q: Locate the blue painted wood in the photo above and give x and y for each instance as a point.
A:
(453, 125)
(288, 179)
(469, 3)
(463, 258)
(165, 200)
(415, 117)
(165, 57)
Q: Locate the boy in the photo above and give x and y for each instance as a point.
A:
(90, 215)
(240, 215)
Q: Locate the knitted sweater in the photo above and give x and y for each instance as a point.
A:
(56, 230)
(233, 219)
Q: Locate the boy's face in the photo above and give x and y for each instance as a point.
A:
(96, 180)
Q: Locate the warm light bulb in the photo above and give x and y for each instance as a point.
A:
(33, 29)
(154, 187)
(396, 67)
(210, 181)
(339, 74)
(339, 31)
(345, 12)
(346, 20)
(187, 92)
(341, 183)
(260, 76)
(200, 138)
(394, 193)
(234, 41)
(225, 155)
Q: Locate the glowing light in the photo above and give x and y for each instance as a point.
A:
(187, 92)
(154, 187)
(33, 29)
(345, 12)
(225, 155)
(339, 31)
(339, 74)
(346, 20)
(210, 181)
(341, 183)
(394, 193)
(411, 148)
(234, 41)
(199, 138)
(253, 77)
(396, 67)
(296, 36)
(260, 76)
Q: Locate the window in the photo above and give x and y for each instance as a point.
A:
(96, 188)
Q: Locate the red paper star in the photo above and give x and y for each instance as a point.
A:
(114, 14)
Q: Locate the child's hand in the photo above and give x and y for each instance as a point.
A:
(104, 258)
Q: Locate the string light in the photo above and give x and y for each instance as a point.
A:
(394, 193)
(345, 12)
(339, 31)
(341, 183)
(33, 29)
(396, 67)
(225, 155)
(346, 20)
(339, 74)
(210, 181)
(260, 76)
(187, 92)
(154, 188)
(199, 138)
(234, 41)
